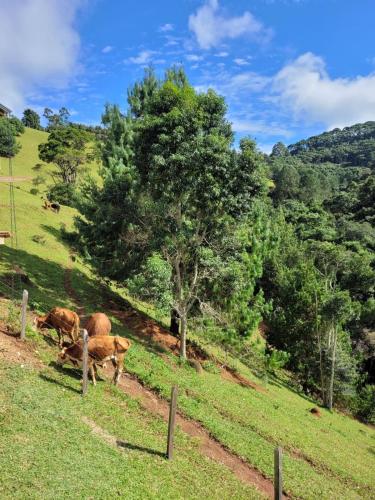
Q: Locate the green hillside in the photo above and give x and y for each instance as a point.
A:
(43, 416)
(352, 146)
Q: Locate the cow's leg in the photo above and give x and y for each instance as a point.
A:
(92, 372)
(61, 337)
(119, 363)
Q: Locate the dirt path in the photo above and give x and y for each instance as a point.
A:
(207, 445)
(13, 350)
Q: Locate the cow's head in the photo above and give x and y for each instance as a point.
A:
(66, 357)
(62, 358)
(39, 322)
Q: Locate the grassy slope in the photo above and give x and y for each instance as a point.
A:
(47, 450)
(43, 438)
(328, 457)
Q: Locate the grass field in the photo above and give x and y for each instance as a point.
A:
(48, 448)
(328, 457)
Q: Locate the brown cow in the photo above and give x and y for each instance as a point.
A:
(98, 324)
(64, 321)
(101, 349)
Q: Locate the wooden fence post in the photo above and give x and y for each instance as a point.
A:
(85, 359)
(171, 422)
(25, 297)
(278, 474)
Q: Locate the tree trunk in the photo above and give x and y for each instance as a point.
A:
(175, 323)
(183, 335)
(333, 365)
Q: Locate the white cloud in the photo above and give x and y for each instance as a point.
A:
(248, 81)
(193, 57)
(222, 54)
(241, 62)
(144, 57)
(106, 49)
(305, 88)
(39, 47)
(166, 27)
(210, 26)
(172, 41)
(255, 126)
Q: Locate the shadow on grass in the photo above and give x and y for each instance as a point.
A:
(134, 447)
(51, 380)
(273, 380)
(46, 277)
(56, 233)
(49, 339)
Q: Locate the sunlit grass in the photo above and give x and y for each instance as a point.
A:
(328, 457)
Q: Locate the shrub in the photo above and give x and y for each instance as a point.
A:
(34, 191)
(18, 126)
(39, 179)
(276, 360)
(364, 404)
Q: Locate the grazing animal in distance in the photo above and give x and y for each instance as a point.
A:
(51, 205)
(55, 207)
(64, 321)
(100, 350)
(98, 324)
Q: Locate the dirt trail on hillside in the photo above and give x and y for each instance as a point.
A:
(208, 446)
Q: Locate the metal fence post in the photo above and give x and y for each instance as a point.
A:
(25, 297)
(85, 359)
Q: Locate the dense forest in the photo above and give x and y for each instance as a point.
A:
(352, 146)
(272, 256)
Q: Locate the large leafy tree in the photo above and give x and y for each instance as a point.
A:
(31, 119)
(9, 147)
(55, 120)
(65, 148)
(173, 191)
(200, 187)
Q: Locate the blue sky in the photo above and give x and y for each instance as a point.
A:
(288, 68)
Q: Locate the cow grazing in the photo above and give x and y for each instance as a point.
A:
(101, 349)
(64, 321)
(98, 324)
(55, 207)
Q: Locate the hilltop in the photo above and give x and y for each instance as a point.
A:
(352, 146)
(247, 413)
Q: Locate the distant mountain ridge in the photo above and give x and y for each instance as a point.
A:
(351, 146)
